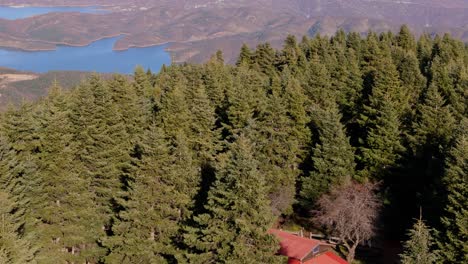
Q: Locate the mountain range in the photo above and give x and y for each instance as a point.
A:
(194, 28)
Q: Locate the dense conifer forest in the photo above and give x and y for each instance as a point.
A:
(196, 163)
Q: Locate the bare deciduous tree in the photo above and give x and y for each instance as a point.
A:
(350, 212)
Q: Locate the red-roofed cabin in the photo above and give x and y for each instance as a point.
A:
(302, 250)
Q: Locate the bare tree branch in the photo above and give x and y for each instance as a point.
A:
(350, 212)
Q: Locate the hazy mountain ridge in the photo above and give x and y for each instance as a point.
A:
(195, 26)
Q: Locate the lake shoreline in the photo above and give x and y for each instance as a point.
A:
(39, 45)
(99, 56)
(66, 44)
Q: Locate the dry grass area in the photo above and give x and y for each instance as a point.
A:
(8, 78)
(11, 77)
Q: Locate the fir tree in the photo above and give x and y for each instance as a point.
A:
(103, 151)
(355, 42)
(318, 82)
(20, 162)
(264, 58)
(418, 249)
(217, 79)
(14, 248)
(405, 39)
(459, 95)
(203, 135)
(245, 56)
(346, 80)
(133, 109)
(281, 134)
(142, 82)
(434, 122)
(339, 39)
(145, 231)
(64, 216)
(174, 114)
(424, 53)
(454, 236)
(292, 56)
(380, 118)
(412, 81)
(234, 227)
(332, 156)
(244, 100)
(451, 79)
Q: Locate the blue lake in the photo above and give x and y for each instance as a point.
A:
(97, 57)
(12, 13)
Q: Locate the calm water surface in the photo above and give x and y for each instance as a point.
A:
(97, 57)
(12, 13)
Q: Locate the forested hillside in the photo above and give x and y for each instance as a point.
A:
(196, 163)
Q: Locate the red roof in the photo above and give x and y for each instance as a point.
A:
(294, 246)
(297, 248)
(325, 258)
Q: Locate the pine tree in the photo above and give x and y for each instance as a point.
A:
(146, 230)
(318, 82)
(219, 57)
(424, 53)
(386, 39)
(142, 83)
(217, 79)
(244, 100)
(332, 156)
(174, 115)
(132, 108)
(295, 102)
(355, 42)
(109, 151)
(234, 227)
(372, 54)
(203, 135)
(434, 121)
(14, 248)
(418, 249)
(458, 97)
(429, 139)
(454, 236)
(412, 81)
(264, 58)
(102, 152)
(346, 80)
(451, 79)
(245, 56)
(281, 134)
(15, 245)
(292, 56)
(405, 39)
(321, 46)
(64, 216)
(339, 39)
(20, 162)
(380, 118)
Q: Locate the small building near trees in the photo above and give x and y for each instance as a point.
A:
(301, 250)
